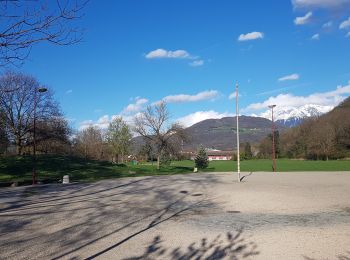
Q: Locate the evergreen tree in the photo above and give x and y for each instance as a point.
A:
(201, 159)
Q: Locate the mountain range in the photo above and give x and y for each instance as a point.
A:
(221, 133)
(293, 116)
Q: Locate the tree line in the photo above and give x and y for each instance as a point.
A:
(24, 110)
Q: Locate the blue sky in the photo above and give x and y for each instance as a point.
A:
(192, 52)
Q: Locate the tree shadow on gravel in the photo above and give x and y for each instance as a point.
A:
(231, 246)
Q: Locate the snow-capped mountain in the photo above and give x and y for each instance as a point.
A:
(293, 116)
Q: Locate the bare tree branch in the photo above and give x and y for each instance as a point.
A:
(26, 23)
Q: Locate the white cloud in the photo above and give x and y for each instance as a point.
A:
(294, 76)
(198, 116)
(345, 24)
(327, 24)
(319, 3)
(348, 34)
(251, 36)
(330, 98)
(135, 107)
(303, 19)
(204, 95)
(315, 36)
(161, 53)
(69, 91)
(196, 63)
(101, 123)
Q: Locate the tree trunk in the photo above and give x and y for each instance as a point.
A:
(158, 161)
(122, 157)
(18, 146)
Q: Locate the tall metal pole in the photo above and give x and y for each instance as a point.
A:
(273, 140)
(237, 130)
(40, 90)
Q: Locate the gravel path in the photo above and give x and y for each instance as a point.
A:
(267, 216)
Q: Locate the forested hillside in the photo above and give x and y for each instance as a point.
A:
(325, 137)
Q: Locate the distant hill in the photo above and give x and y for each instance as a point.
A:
(221, 133)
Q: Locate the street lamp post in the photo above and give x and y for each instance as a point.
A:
(273, 140)
(40, 90)
(237, 131)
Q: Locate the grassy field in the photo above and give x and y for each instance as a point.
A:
(52, 168)
(283, 165)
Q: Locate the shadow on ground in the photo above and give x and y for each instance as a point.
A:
(345, 256)
(58, 221)
(231, 246)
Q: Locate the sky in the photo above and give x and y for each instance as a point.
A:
(191, 53)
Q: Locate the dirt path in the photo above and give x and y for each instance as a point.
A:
(268, 216)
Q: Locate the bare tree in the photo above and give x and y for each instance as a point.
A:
(89, 143)
(24, 23)
(3, 134)
(18, 107)
(153, 124)
(52, 136)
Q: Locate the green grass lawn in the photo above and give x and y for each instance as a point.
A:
(52, 168)
(283, 165)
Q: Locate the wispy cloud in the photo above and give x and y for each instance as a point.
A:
(69, 91)
(196, 63)
(319, 3)
(315, 36)
(345, 24)
(282, 89)
(294, 76)
(161, 54)
(348, 34)
(327, 25)
(233, 95)
(251, 36)
(303, 19)
(181, 98)
(198, 116)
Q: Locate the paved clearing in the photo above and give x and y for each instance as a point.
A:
(267, 216)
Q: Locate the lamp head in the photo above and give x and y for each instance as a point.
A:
(41, 90)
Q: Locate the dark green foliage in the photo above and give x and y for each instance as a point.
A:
(201, 159)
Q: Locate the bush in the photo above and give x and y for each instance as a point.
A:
(201, 159)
